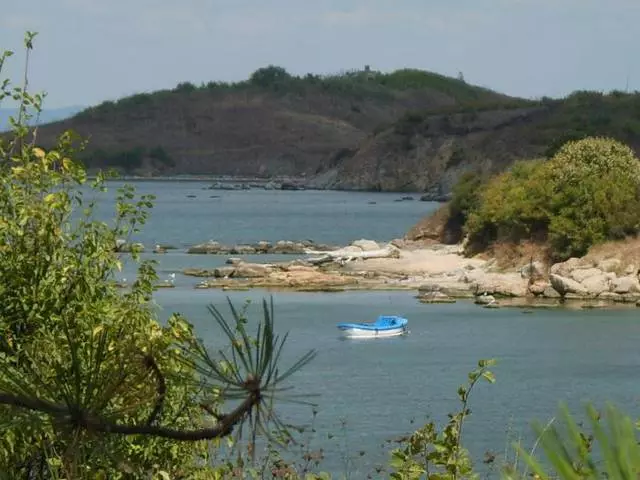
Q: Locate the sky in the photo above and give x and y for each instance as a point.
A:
(88, 51)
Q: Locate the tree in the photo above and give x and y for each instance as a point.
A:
(91, 385)
(587, 193)
(269, 76)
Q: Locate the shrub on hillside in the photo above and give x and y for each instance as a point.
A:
(512, 206)
(465, 198)
(587, 193)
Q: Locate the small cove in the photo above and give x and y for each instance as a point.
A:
(378, 387)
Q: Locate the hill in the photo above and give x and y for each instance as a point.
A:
(428, 151)
(273, 123)
(409, 130)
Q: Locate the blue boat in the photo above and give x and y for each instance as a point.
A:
(384, 326)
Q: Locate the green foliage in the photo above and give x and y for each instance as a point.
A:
(465, 198)
(588, 114)
(91, 385)
(160, 156)
(571, 453)
(269, 77)
(587, 193)
(439, 455)
(185, 87)
(129, 159)
(358, 84)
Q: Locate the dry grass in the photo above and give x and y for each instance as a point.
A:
(627, 251)
(430, 228)
(512, 255)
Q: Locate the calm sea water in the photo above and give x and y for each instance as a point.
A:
(372, 391)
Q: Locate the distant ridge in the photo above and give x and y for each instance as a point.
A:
(407, 130)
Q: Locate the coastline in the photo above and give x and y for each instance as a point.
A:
(242, 183)
(437, 273)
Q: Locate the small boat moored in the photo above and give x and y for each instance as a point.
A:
(384, 326)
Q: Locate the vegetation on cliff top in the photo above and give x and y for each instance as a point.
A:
(355, 83)
(587, 193)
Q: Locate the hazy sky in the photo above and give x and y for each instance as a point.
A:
(88, 51)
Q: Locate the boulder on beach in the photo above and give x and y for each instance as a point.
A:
(564, 285)
(627, 284)
(501, 284)
(581, 274)
(597, 284)
(565, 268)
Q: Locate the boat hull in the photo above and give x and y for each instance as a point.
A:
(369, 333)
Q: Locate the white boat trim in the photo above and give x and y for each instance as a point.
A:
(367, 333)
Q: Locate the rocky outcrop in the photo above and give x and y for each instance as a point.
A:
(577, 278)
(499, 284)
(564, 285)
(282, 247)
(439, 272)
(435, 297)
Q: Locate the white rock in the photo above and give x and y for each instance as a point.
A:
(504, 284)
(485, 299)
(564, 268)
(596, 284)
(628, 284)
(581, 274)
(564, 285)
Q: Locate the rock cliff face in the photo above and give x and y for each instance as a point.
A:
(428, 154)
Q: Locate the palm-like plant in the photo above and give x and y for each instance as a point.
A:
(611, 451)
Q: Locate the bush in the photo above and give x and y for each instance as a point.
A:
(160, 156)
(91, 385)
(185, 87)
(270, 76)
(465, 198)
(587, 193)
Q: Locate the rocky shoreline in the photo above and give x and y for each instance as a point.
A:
(437, 273)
